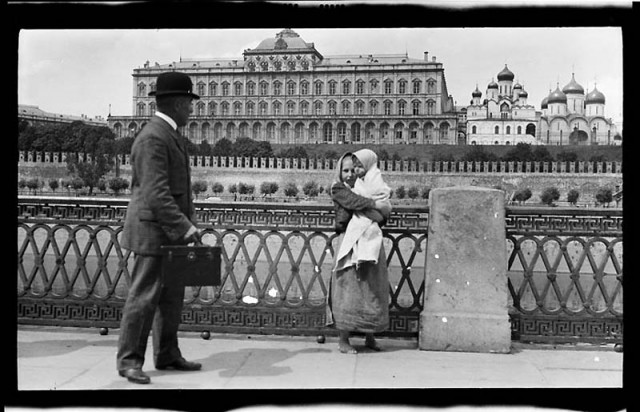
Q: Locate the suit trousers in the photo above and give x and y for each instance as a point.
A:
(149, 305)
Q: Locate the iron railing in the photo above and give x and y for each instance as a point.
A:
(565, 268)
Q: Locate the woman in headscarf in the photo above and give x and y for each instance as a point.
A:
(357, 300)
(363, 237)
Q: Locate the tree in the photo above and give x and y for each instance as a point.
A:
(520, 153)
(425, 192)
(76, 184)
(572, 196)
(89, 171)
(478, 153)
(223, 147)
(199, 186)
(604, 196)
(383, 155)
(291, 190)
(540, 154)
(123, 145)
(53, 184)
(217, 188)
(549, 195)
(102, 185)
(205, 149)
(296, 152)
(118, 184)
(522, 195)
(232, 188)
(567, 157)
(22, 183)
(401, 192)
(268, 188)
(310, 189)
(33, 184)
(413, 192)
(246, 147)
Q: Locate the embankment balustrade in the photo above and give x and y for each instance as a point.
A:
(385, 165)
(564, 277)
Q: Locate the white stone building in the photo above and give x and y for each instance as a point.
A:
(503, 117)
(569, 116)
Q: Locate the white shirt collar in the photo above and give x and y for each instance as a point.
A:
(167, 119)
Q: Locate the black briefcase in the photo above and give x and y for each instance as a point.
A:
(191, 265)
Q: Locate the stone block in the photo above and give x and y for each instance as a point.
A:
(466, 296)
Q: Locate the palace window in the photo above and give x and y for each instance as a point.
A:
(355, 132)
(317, 108)
(416, 86)
(359, 87)
(359, 107)
(431, 86)
(373, 107)
(374, 86)
(264, 88)
(263, 109)
(402, 87)
(142, 89)
(291, 65)
(304, 88)
(346, 107)
(304, 108)
(251, 88)
(200, 108)
(225, 89)
(332, 108)
(496, 130)
(388, 87)
(431, 107)
(213, 109)
(213, 88)
(250, 108)
(291, 108)
(201, 89)
(305, 65)
(332, 87)
(291, 88)
(277, 106)
(519, 129)
(474, 129)
(237, 109)
(328, 133)
(152, 107)
(225, 109)
(313, 132)
(277, 65)
(318, 87)
(346, 87)
(277, 88)
(237, 88)
(342, 132)
(401, 106)
(264, 66)
(415, 108)
(140, 109)
(387, 108)
(508, 130)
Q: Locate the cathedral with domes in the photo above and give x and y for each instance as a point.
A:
(571, 116)
(504, 116)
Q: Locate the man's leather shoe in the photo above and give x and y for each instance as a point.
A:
(135, 375)
(181, 365)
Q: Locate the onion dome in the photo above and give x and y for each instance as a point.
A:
(505, 74)
(595, 96)
(573, 87)
(545, 103)
(517, 86)
(557, 96)
(492, 85)
(476, 92)
(523, 93)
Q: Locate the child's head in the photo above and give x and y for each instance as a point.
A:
(363, 161)
(346, 173)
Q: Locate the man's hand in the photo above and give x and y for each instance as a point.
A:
(193, 235)
(384, 206)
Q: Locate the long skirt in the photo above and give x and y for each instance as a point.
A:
(358, 299)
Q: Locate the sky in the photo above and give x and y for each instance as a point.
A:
(89, 72)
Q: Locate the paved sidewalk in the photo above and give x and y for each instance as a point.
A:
(56, 358)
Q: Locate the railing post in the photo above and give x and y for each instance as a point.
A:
(466, 296)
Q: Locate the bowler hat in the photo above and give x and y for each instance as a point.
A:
(173, 83)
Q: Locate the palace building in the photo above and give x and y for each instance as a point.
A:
(569, 116)
(286, 91)
(503, 117)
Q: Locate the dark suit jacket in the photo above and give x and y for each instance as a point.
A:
(161, 209)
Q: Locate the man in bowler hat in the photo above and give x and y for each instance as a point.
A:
(160, 212)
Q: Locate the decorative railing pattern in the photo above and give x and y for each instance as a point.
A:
(565, 268)
(251, 163)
